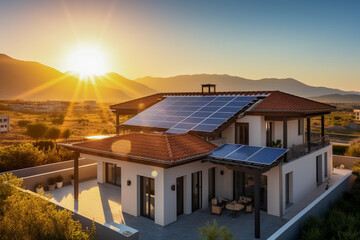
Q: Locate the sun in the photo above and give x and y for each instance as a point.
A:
(87, 62)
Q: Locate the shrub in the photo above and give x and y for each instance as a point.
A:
(36, 130)
(59, 178)
(213, 232)
(340, 149)
(52, 133)
(44, 145)
(26, 216)
(353, 150)
(39, 186)
(23, 123)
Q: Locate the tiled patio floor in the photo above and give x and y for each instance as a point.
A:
(102, 202)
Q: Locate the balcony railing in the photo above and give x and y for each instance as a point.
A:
(300, 150)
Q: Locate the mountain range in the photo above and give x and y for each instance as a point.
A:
(35, 81)
(233, 83)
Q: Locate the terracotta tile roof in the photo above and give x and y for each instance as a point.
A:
(169, 148)
(276, 101)
(283, 102)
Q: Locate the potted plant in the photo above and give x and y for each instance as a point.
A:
(39, 188)
(52, 183)
(72, 179)
(59, 181)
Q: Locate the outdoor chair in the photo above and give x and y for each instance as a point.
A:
(215, 206)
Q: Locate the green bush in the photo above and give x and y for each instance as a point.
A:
(353, 150)
(28, 155)
(340, 149)
(213, 232)
(26, 216)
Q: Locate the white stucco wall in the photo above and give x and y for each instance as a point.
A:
(293, 137)
(130, 195)
(273, 191)
(229, 134)
(304, 175)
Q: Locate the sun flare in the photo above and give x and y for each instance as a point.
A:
(87, 61)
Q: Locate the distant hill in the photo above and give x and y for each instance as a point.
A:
(339, 98)
(34, 81)
(232, 83)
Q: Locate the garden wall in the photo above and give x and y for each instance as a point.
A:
(347, 161)
(40, 174)
(292, 229)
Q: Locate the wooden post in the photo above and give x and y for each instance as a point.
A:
(308, 136)
(117, 123)
(322, 129)
(285, 135)
(257, 205)
(76, 175)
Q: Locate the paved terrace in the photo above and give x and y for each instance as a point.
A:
(102, 202)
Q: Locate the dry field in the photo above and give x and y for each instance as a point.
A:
(81, 124)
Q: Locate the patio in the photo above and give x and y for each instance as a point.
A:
(102, 202)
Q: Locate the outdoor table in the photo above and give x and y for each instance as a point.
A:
(234, 207)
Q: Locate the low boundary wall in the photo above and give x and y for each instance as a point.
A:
(292, 229)
(347, 161)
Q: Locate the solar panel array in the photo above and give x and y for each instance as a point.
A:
(249, 154)
(181, 114)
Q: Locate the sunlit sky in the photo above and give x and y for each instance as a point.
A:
(316, 42)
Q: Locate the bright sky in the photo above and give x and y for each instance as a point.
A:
(316, 42)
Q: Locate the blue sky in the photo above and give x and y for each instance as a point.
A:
(316, 42)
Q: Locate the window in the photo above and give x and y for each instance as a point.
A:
(300, 126)
(326, 165)
(242, 133)
(269, 133)
(319, 169)
(288, 189)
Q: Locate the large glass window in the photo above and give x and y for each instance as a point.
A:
(147, 197)
(211, 183)
(242, 133)
(288, 188)
(326, 164)
(269, 133)
(113, 174)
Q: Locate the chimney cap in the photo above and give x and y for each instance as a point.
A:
(211, 89)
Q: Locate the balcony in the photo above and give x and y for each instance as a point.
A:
(297, 151)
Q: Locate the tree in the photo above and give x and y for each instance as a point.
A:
(66, 134)
(52, 133)
(36, 130)
(214, 232)
(23, 123)
(57, 118)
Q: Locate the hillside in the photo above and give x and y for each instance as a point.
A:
(339, 98)
(231, 83)
(34, 81)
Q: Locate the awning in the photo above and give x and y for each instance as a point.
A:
(261, 158)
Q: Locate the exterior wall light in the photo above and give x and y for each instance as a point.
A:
(128, 182)
(173, 187)
(222, 172)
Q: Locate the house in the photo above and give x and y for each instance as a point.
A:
(182, 149)
(4, 124)
(357, 113)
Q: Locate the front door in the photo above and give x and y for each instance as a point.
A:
(196, 190)
(242, 133)
(180, 195)
(147, 197)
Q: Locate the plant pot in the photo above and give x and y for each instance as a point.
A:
(39, 190)
(59, 184)
(72, 181)
(52, 187)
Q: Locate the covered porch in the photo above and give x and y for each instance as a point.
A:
(102, 202)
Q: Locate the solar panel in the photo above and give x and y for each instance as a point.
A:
(191, 113)
(249, 154)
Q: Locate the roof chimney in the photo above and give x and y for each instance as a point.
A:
(208, 89)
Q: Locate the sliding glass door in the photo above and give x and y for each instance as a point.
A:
(113, 174)
(180, 195)
(147, 197)
(196, 190)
